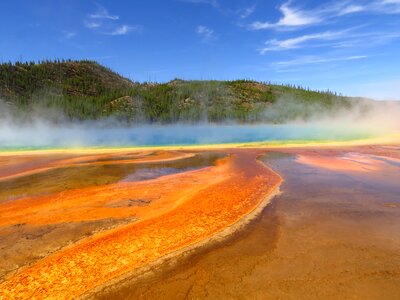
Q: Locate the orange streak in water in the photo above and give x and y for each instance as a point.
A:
(14, 167)
(358, 164)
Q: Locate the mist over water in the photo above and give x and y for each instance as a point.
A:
(382, 119)
(82, 135)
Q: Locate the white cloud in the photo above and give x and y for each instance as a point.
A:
(367, 40)
(298, 42)
(385, 6)
(102, 13)
(373, 7)
(295, 17)
(305, 60)
(213, 3)
(92, 24)
(104, 23)
(350, 9)
(122, 30)
(206, 34)
(245, 13)
(291, 17)
(348, 38)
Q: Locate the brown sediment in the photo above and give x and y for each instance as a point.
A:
(19, 166)
(198, 205)
(128, 158)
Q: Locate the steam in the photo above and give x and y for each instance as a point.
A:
(48, 128)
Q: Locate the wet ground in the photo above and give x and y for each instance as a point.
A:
(23, 242)
(92, 171)
(137, 220)
(331, 234)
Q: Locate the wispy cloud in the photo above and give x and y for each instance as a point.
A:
(102, 13)
(374, 7)
(385, 6)
(92, 24)
(248, 11)
(227, 8)
(300, 41)
(213, 3)
(307, 60)
(297, 17)
(291, 17)
(350, 9)
(105, 23)
(206, 34)
(122, 30)
(347, 38)
(369, 39)
(68, 34)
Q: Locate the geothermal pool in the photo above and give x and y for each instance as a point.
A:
(43, 135)
(201, 223)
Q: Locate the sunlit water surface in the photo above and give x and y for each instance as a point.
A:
(84, 135)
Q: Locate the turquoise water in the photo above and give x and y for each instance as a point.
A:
(39, 137)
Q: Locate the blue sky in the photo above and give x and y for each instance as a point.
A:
(352, 47)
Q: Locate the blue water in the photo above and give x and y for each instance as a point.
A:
(95, 136)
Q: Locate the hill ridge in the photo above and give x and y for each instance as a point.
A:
(86, 90)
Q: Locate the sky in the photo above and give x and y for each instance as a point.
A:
(351, 47)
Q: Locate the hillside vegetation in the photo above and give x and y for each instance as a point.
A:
(83, 90)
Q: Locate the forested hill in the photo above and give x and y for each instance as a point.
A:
(83, 90)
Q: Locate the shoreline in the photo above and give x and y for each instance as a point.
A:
(259, 144)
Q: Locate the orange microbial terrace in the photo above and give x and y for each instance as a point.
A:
(88, 219)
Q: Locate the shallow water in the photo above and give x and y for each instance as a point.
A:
(24, 243)
(154, 170)
(330, 234)
(79, 176)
